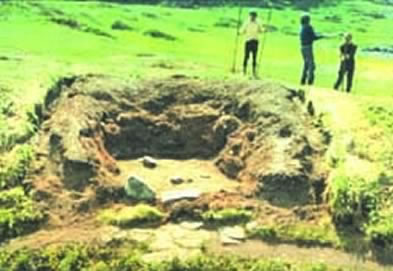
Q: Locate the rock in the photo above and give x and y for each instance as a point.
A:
(137, 189)
(191, 225)
(236, 232)
(188, 194)
(149, 162)
(251, 226)
(230, 166)
(251, 134)
(177, 180)
(228, 241)
(225, 126)
(191, 239)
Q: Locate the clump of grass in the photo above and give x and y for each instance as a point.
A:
(138, 215)
(6, 103)
(365, 206)
(14, 166)
(18, 213)
(264, 232)
(227, 216)
(99, 258)
(298, 233)
(159, 35)
(119, 25)
(310, 235)
(352, 200)
(380, 230)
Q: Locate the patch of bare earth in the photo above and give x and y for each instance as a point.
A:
(250, 145)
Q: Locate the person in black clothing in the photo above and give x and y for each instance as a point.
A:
(307, 38)
(347, 65)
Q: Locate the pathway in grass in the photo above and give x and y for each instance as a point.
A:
(187, 239)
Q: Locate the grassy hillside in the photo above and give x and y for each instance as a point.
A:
(47, 39)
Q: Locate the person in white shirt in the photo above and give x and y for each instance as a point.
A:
(251, 30)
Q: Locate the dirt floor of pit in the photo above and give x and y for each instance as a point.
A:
(201, 175)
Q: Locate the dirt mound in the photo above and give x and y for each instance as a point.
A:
(257, 133)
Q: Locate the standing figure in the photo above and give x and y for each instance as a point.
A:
(347, 65)
(251, 29)
(307, 38)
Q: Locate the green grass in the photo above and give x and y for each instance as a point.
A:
(304, 234)
(18, 214)
(52, 50)
(30, 64)
(227, 216)
(94, 258)
(14, 166)
(35, 52)
(138, 215)
(352, 200)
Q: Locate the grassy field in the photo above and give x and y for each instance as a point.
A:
(45, 40)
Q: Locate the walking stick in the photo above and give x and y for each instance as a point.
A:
(237, 38)
(269, 18)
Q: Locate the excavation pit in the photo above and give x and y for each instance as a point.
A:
(222, 135)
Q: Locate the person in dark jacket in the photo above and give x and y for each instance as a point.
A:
(307, 38)
(347, 65)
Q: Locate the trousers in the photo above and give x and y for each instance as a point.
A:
(308, 75)
(251, 48)
(347, 67)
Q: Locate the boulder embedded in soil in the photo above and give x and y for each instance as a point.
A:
(136, 189)
(230, 166)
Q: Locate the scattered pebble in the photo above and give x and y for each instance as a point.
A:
(191, 225)
(253, 225)
(149, 162)
(236, 232)
(177, 180)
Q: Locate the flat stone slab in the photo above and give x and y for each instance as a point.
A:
(186, 194)
(225, 240)
(189, 225)
(236, 232)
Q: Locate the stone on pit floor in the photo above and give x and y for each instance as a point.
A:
(136, 189)
(232, 235)
(190, 225)
(177, 180)
(250, 226)
(188, 194)
(225, 240)
(149, 162)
